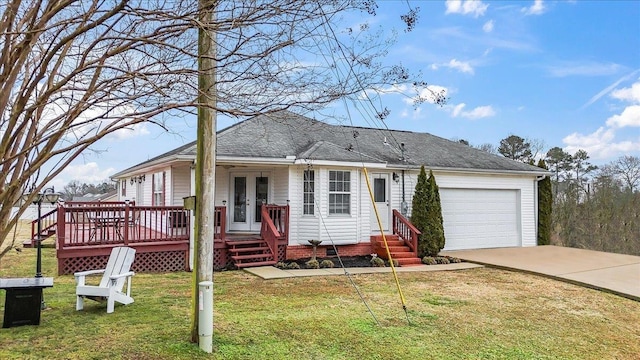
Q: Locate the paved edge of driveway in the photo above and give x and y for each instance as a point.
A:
(564, 279)
(271, 272)
(617, 274)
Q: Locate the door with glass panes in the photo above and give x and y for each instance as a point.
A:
(249, 190)
(380, 185)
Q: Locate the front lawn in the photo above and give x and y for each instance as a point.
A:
(471, 314)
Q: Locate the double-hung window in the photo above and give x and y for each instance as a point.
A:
(339, 192)
(309, 192)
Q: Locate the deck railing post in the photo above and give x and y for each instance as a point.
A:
(60, 227)
(125, 225)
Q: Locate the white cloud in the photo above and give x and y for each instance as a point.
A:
(89, 173)
(429, 94)
(538, 8)
(129, 132)
(462, 66)
(477, 113)
(517, 41)
(631, 94)
(391, 89)
(603, 143)
(457, 110)
(583, 69)
(474, 7)
(630, 116)
(488, 26)
(608, 89)
(600, 144)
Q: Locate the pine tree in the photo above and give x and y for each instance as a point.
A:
(545, 204)
(419, 213)
(434, 215)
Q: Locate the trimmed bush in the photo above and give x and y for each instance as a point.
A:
(327, 264)
(293, 265)
(281, 265)
(419, 215)
(377, 262)
(426, 215)
(312, 264)
(428, 260)
(395, 263)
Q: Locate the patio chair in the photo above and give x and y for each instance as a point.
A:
(114, 277)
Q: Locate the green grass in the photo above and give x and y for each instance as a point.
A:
(471, 314)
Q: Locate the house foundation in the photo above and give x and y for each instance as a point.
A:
(295, 252)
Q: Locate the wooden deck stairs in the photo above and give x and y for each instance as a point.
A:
(250, 253)
(47, 233)
(399, 251)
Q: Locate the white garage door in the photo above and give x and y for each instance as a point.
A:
(478, 218)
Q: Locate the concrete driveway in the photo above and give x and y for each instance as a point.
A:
(616, 273)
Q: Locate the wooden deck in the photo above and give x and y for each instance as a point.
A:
(86, 233)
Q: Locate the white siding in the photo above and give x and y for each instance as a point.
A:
(222, 187)
(342, 229)
(524, 185)
(279, 186)
(181, 180)
(302, 227)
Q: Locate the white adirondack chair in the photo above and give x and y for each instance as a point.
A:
(114, 277)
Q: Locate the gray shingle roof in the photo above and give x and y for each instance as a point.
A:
(284, 133)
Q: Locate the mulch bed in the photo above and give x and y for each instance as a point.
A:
(353, 261)
(348, 261)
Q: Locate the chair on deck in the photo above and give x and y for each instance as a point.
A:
(114, 277)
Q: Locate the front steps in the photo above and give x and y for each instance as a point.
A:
(250, 253)
(399, 251)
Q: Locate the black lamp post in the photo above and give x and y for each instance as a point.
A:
(48, 195)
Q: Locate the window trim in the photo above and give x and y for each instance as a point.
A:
(343, 193)
(154, 191)
(308, 208)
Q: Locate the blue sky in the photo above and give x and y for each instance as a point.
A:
(563, 72)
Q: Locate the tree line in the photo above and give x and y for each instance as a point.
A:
(75, 188)
(591, 207)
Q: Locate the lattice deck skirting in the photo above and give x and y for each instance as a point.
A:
(167, 261)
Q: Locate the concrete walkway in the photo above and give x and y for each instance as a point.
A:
(270, 272)
(615, 273)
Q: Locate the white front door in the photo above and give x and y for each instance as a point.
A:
(249, 190)
(380, 187)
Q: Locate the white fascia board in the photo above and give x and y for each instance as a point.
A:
(253, 160)
(147, 167)
(532, 173)
(341, 163)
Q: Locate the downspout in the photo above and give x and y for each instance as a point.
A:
(403, 206)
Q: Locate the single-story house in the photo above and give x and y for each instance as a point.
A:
(106, 197)
(316, 170)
